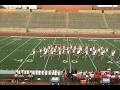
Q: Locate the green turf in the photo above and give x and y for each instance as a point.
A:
(19, 48)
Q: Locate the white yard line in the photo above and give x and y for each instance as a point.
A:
(46, 63)
(4, 39)
(48, 57)
(111, 44)
(14, 51)
(28, 56)
(110, 57)
(89, 56)
(53, 44)
(69, 59)
(7, 44)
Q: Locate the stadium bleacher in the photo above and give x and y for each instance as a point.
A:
(13, 20)
(47, 20)
(59, 20)
(86, 21)
(113, 20)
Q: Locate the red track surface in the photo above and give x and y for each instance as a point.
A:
(59, 35)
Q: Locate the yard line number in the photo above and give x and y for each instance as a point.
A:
(72, 61)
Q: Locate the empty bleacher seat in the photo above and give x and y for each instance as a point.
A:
(113, 20)
(18, 19)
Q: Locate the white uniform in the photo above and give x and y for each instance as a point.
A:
(59, 52)
(45, 52)
(86, 52)
(106, 49)
(33, 52)
(70, 46)
(73, 51)
(98, 49)
(93, 48)
(63, 51)
(80, 48)
(48, 47)
(67, 48)
(90, 49)
(113, 53)
(44, 49)
(102, 52)
(63, 47)
(59, 48)
(86, 48)
(78, 52)
(94, 52)
(74, 47)
(40, 50)
(101, 48)
(56, 47)
(68, 51)
(54, 50)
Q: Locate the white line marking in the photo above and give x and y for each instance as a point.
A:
(111, 44)
(27, 56)
(111, 58)
(48, 57)
(46, 63)
(89, 56)
(7, 44)
(4, 39)
(69, 58)
(53, 44)
(13, 51)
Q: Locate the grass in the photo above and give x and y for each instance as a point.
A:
(15, 53)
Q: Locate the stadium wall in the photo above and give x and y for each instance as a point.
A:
(55, 33)
(61, 35)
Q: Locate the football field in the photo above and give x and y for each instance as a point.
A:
(16, 54)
